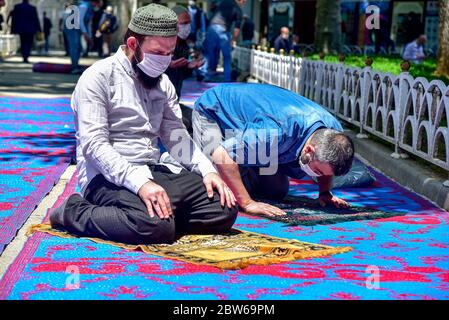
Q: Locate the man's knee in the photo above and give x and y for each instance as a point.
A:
(274, 187)
(226, 219)
(230, 216)
(213, 219)
(149, 230)
(278, 192)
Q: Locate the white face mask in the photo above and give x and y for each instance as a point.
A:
(307, 170)
(154, 64)
(184, 30)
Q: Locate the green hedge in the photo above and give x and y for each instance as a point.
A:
(390, 64)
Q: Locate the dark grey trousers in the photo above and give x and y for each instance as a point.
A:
(274, 187)
(115, 213)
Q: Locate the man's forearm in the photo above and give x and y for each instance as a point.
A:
(182, 148)
(229, 172)
(325, 183)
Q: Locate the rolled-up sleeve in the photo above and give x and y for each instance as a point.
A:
(177, 140)
(91, 109)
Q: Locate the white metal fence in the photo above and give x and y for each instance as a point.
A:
(241, 57)
(409, 113)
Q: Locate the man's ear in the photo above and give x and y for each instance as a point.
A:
(309, 149)
(132, 43)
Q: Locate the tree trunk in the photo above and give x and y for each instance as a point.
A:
(443, 43)
(328, 26)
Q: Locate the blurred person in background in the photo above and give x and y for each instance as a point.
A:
(62, 36)
(107, 26)
(73, 37)
(247, 31)
(2, 4)
(95, 27)
(283, 41)
(221, 37)
(182, 63)
(1, 21)
(198, 23)
(197, 36)
(295, 44)
(25, 23)
(87, 9)
(73, 34)
(414, 51)
(381, 37)
(47, 31)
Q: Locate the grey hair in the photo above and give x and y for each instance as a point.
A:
(335, 148)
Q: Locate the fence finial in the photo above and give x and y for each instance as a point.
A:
(281, 52)
(369, 61)
(405, 66)
(292, 52)
(272, 50)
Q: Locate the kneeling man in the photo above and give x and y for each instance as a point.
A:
(124, 106)
(259, 135)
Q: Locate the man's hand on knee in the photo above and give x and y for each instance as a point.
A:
(213, 181)
(156, 199)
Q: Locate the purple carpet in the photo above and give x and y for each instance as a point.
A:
(402, 257)
(36, 146)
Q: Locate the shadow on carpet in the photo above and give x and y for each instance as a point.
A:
(308, 212)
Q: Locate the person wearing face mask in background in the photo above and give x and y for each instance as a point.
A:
(232, 123)
(283, 41)
(182, 66)
(124, 105)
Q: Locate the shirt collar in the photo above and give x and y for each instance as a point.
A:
(124, 61)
